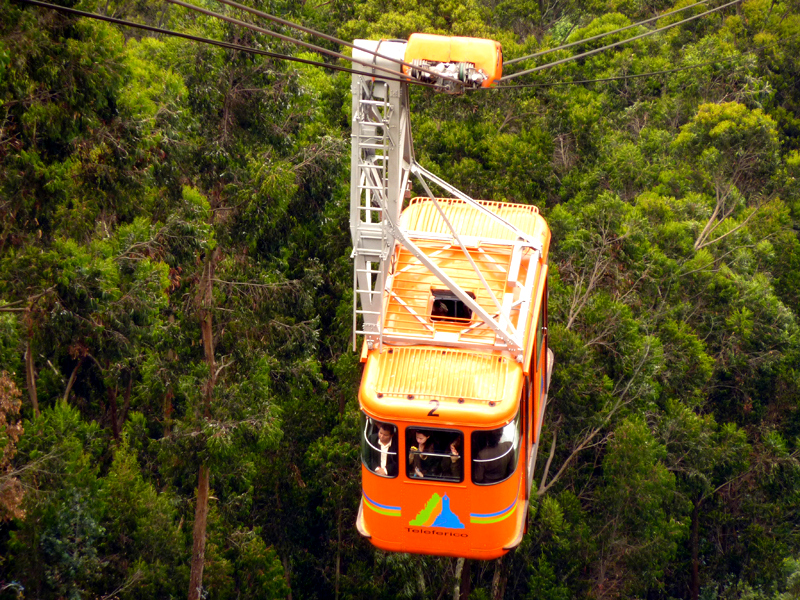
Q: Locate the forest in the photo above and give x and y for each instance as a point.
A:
(176, 299)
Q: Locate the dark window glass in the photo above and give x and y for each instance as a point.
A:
(379, 447)
(495, 453)
(435, 454)
(447, 307)
(540, 329)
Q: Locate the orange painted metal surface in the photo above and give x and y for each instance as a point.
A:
(470, 388)
(486, 55)
(451, 375)
(399, 514)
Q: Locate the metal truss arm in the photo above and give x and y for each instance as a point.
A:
(421, 172)
(512, 342)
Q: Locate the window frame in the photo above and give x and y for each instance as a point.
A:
(411, 430)
(447, 295)
(515, 450)
(366, 444)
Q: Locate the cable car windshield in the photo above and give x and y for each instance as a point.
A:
(495, 453)
(379, 446)
(435, 454)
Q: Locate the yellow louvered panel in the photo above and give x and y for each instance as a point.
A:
(422, 215)
(449, 375)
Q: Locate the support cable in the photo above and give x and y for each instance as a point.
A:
(212, 42)
(330, 38)
(285, 38)
(649, 74)
(597, 37)
(615, 44)
(603, 80)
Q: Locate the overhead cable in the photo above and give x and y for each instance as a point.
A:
(212, 42)
(604, 79)
(649, 74)
(329, 38)
(597, 37)
(615, 44)
(292, 40)
(290, 58)
(282, 37)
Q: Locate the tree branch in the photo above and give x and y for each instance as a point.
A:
(72, 378)
(589, 437)
(542, 489)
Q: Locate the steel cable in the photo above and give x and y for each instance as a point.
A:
(194, 38)
(327, 37)
(597, 37)
(615, 44)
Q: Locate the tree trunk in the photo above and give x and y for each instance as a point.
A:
(204, 300)
(112, 409)
(127, 404)
(287, 575)
(72, 379)
(30, 377)
(199, 536)
(465, 580)
(499, 579)
(168, 411)
(338, 548)
(694, 593)
(457, 584)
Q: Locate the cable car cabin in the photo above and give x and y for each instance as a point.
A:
(451, 410)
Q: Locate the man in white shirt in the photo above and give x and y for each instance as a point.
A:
(387, 463)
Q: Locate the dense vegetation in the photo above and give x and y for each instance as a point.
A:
(175, 301)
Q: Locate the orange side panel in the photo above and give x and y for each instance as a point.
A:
(483, 522)
(484, 54)
(537, 307)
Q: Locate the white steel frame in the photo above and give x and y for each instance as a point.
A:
(382, 161)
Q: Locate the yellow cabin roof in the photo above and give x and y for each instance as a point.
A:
(422, 216)
(455, 365)
(465, 387)
(490, 245)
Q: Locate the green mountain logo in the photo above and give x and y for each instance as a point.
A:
(437, 513)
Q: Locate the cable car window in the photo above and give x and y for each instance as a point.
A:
(435, 454)
(540, 330)
(446, 306)
(379, 446)
(495, 453)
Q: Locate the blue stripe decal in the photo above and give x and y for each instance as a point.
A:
(497, 514)
(379, 505)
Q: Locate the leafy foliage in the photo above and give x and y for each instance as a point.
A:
(175, 295)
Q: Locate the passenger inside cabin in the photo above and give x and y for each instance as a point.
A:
(491, 464)
(421, 459)
(452, 466)
(384, 451)
(450, 308)
(439, 309)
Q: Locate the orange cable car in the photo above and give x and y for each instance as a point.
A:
(451, 297)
